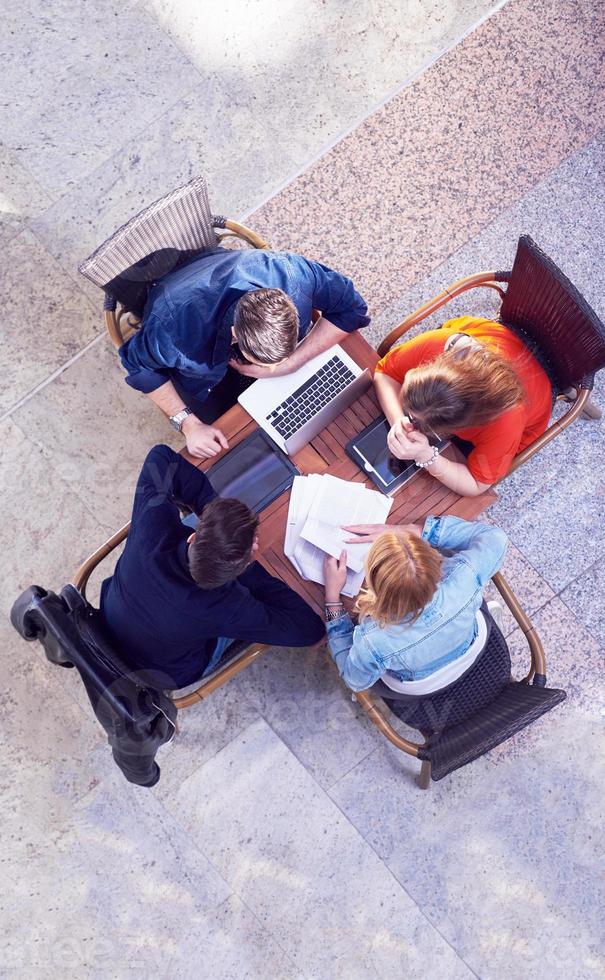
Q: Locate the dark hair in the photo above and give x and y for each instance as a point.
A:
(222, 545)
(460, 389)
(266, 325)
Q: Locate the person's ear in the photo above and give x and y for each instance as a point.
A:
(191, 538)
(233, 333)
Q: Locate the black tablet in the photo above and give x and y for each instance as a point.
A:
(369, 450)
(255, 471)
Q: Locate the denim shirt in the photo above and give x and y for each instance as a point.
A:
(446, 627)
(186, 333)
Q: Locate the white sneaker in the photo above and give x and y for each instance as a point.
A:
(496, 611)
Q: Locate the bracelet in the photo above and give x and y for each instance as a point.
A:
(429, 462)
(332, 614)
(339, 603)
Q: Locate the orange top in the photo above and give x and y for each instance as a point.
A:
(498, 442)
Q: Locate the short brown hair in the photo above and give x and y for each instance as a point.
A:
(460, 388)
(266, 325)
(402, 575)
(222, 545)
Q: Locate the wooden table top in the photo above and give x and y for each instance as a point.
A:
(421, 496)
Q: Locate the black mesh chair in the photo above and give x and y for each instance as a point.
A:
(166, 234)
(474, 714)
(136, 708)
(559, 327)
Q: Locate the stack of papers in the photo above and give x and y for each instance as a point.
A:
(319, 507)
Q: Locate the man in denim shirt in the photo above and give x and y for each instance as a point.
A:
(259, 299)
(445, 629)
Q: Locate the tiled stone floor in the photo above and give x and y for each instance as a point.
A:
(286, 837)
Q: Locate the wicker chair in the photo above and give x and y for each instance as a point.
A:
(155, 241)
(136, 708)
(559, 327)
(474, 714)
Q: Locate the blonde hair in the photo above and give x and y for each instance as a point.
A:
(402, 575)
(266, 325)
(460, 388)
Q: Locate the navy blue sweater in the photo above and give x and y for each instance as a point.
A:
(156, 614)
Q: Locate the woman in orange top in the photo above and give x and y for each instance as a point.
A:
(472, 378)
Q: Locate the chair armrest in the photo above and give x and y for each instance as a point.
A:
(365, 700)
(488, 280)
(538, 660)
(82, 574)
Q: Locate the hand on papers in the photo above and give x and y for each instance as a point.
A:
(405, 442)
(203, 441)
(366, 533)
(335, 576)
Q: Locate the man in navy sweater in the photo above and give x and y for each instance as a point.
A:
(176, 599)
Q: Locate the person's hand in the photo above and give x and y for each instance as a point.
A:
(203, 441)
(366, 533)
(254, 370)
(335, 576)
(405, 442)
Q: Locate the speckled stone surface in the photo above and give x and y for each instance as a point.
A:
(78, 89)
(21, 197)
(48, 549)
(584, 596)
(233, 149)
(424, 174)
(281, 844)
(42, 326)
(95, 431)
(310, 68)
(501, 856)
(300, 694)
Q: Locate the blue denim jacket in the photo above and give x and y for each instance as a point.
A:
(446, 627)
(186, 332)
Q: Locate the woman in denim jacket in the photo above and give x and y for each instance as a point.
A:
(419, 610)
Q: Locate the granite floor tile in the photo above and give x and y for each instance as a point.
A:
(21, 197)
(75, 96)
(94, 432)
(46, 318)
(564, 213)
(584, 596)
(203, 730)
(203, 133)
(283, 847)
(501, 854)
(531, 590)
(310, 67)
(52, 753)
(574, 657)
(553, 508)
(300, 695)
(47, 530)
(424, 174)
(121, 890)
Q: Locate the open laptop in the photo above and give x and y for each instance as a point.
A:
(294, 408)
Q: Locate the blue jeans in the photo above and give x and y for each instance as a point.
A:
(221, 645)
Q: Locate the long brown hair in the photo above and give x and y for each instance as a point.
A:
(460, 388)
(402, 575)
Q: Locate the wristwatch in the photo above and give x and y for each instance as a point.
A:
(177, 420)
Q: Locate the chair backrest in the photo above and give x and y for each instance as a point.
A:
(153, 243)
(549, 312)
(132, 708)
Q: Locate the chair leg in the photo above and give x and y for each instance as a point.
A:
(591, 410)
(424, 777)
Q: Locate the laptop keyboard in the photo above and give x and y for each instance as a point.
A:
(304, 403)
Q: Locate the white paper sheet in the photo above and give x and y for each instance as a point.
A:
(319, 505)
(339, 503)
